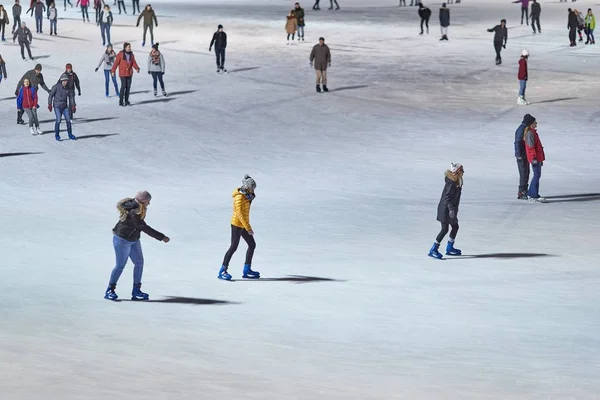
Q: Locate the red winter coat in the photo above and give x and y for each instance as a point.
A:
(29, 99)
(125, 68)
(523, 69)
(533, 146)
(84, 3)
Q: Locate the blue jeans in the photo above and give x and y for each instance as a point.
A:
(522, 87)
(590, 33)
(123, 251)
(84, 13)
(59, 113)
(39, 20)
(300, 31)
(107, 77)
(534, 187)
(53, 26)
(105, 32)
(158, 76)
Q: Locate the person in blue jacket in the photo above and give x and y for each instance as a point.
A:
(521, 156)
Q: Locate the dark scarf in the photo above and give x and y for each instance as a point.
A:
(155, 54)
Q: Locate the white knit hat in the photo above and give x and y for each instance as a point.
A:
(248, 183)
(455, 167)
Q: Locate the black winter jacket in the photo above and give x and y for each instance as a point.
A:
(536, 9)
(61, 97)
(444, 17)
(36, 80)
(219, 40)
(450, 200)
(23, 35)
(500, 34)
(134, 225)
(573, 21)
(424, 12)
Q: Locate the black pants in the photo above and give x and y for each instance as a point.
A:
(523, 166)
(220, 54)
(20, 115)
(84, 13)
(16, 23)
(136, 4)
(236, 234)
(331, 3)
(535, 20)
(525, 13)
(151, 27)
(572, 35)
(444, 231)
(316, 6)
(125, 88)
(97, 9)
(121, 3)
(23, 46)
(498, 48)
(426, 21)
(2, 28)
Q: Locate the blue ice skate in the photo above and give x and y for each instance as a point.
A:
(451, 251)
(223, 274)
(110, 293)
(433, 252)
(137, 294)
(249, 274)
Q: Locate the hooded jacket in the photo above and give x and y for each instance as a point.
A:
(424, 12)
(73, 81)
(573, 21)
(590, 21)
(131, 227)
(536, 9)
(241, 209)
(219, 40)
(533, 146)
(523, 74)
(299, 16)
(61, 97)
(450, 199)
(23, 35)
(148, 16)
(291, 24)
(445, 17)
(27, 98)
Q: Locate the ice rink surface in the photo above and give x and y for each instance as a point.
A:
(348, 185)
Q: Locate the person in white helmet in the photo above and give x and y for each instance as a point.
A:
(523, 76)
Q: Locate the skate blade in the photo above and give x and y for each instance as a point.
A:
(250, 277)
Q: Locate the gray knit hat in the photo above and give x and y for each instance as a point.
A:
(248, 183)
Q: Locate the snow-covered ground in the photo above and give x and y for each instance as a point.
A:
(348, 185)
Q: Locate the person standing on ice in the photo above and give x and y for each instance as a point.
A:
(521, 156)
(590, 25)
(425, 14)
(53, 18)
(39, 9)
(523, 76)
(121, 3)
(447, 213)
(299, 11)
(320, 57)
(337, 6)
(16, 11)
(2, 69)
(36, 79)
(572, 26)
(241, 228)
(98, 5)
(500, 39)
(156, 68)
(536, 10)
(444, 21)
(3, 22)
(580, 24)
(25, 38)
(62, 100)
(316, 5)
(126, 242)
(136, 5)
(149, 18)
(524, 10)
(126, 63)
(219, 40)
(536, 157)
(27, 102)
(291, 25)
(108, 59)
(68, 1)
(105, 21)
(85, 4)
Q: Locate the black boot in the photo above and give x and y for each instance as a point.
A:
(325, 88)
(318, 88)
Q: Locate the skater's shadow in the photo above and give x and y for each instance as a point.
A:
(505, 256)
(2, 155)
(162, 100)
(97, 136)
(571, 198)
(185, 300)
(88, 120)
(41, 57)
(168, 42)
(554, 100)
(348, 88)
(8, 98)
(182, 92)
(140, 92)
(73, 38)
(232, 71)
(290, 278)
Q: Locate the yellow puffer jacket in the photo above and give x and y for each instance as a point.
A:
(241, 210)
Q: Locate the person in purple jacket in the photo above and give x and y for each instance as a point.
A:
(524, 10)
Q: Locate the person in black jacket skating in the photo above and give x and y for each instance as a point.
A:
(425, 14)
(500, 39)
(126, 242)
(572, 25)
(521, 156)
(536, 10)
(219, 40)
(448, 211)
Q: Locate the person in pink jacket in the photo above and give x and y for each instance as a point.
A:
(524, 10)
(84, 9)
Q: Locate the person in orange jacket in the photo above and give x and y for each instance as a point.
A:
(241, 228)
(536, 157)
(126, 63)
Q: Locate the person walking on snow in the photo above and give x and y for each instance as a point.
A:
(536, 10)
(108, 59)
(320, 57)
(590, 25)
(36, 79)
(53, 18)
(425, 14)
(105, 21)
(149, 17)
(524, 10)
(219, 40)
(521, 156)
(127, 245)
(500, 39)
(85, 4)
(16, 11)
(39, 9)
(25, 38)
(447, 213)
(3, 22)
(126, 63)
(299, 12)
(444, 21)
(523, 75)
(27, 102)
(241, 228)
(156, 68)
(291, 25)
(62, 100)
(536, 157)
(572, 25)
(2, 69)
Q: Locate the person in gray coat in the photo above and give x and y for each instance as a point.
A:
(108, 59)
(25, 37)
(320, 57)
(62, 100)
(36, 79)
(38, 8)
(16, 11)
(156, 68)
(444, 21)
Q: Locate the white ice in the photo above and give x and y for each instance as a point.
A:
(348, 185)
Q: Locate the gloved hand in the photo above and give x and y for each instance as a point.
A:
(50, 107)
(17, 92)
(73, 109)
(542, 163)
(137, 25)
(96, 70)
(251, 232)
(79, 94)
(329, 64)
(452, 214)
(504, 46)
(210, 49)
(149, 73)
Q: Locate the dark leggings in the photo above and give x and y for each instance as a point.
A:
(444, 231)
(426, 22)
(236, 234)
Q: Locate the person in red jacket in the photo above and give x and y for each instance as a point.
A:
(126, 63)
(536, 157)
(523, 76)
(27, 102)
